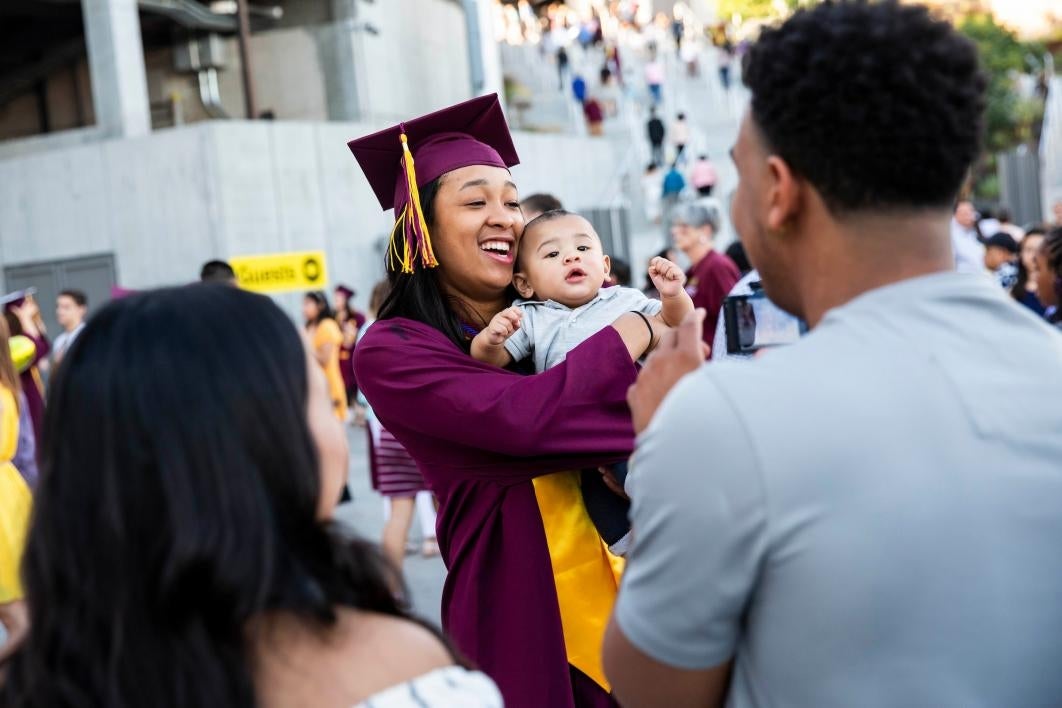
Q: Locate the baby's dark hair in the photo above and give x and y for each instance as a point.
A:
(541, 219)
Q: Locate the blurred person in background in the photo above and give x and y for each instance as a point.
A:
(211, 572)
(536, 204)
(350, 321)
(15, 503)
(671, 193)
(326, 341)
(1049, 276)
(1056, 209)
(1006, 225)
(711, 275)
(966, 243)
(1001, 252)
(217, 272)
(703, 176)
(654, 80)
(24, 318)
(562, 67)
(595, 116)
(1024, 290)
(680, 137)
(70, 309)
(652, 186)
(656, 132)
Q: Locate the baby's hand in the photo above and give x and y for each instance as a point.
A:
(502, 326)
(667, 277)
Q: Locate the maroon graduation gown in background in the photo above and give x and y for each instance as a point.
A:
(708, 283)
(480, 435)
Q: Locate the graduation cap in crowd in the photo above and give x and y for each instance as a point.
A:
(15, 299)
(400, 160)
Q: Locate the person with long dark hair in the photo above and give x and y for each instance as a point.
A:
(326, 340)
(529, 582)
(182, 552)
(1024, 290)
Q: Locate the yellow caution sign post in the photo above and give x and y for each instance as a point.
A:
(281, 272)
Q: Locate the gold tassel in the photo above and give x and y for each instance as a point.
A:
(415, 215)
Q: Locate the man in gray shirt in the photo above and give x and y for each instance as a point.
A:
(869, 517)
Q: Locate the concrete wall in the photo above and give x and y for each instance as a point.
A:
(167, 202)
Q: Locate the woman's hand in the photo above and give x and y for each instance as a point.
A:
(680, 351)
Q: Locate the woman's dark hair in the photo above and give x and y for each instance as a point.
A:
(1021, 285)
(324, 310)
(177, 503)
(418, 296)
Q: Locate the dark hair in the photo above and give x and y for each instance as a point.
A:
(79, 298)
(417, 295)
(1052, 248)
(1021, 285)
(324, 310)
(878, 105)
(181, 415)
(621, 272)
(217, 272)
(736, 253)
(541, 203)
(379, 293)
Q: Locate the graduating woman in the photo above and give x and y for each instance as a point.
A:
(530, 584)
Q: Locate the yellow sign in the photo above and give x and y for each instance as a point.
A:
(281, 272)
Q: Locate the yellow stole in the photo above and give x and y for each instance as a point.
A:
(585, 573)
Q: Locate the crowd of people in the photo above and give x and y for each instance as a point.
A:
(865, 516)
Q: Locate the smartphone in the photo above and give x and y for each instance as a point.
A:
(753, 322)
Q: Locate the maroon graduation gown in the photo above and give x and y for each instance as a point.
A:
(480, 435)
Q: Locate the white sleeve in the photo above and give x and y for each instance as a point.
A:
(699, 525)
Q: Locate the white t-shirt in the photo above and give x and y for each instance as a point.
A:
(869, 517)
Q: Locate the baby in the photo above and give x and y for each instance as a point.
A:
(560, 270)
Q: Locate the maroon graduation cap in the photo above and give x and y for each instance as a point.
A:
(400, 160)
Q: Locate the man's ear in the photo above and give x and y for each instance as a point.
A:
(784, 194)
(522, 286)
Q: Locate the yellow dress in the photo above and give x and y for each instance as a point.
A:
(15, 502)
(328, 332)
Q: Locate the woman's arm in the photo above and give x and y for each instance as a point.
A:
(444, 405)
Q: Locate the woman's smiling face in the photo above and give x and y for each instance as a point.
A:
(477, 223)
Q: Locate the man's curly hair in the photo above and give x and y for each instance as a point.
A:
(877, 104)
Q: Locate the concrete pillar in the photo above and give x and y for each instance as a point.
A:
(484, 59)
(116, 62)
(338, 53)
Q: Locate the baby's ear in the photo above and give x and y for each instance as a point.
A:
(608, 266)
(523, 286)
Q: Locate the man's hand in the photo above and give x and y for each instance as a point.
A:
(667, 277)
(679, 352)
